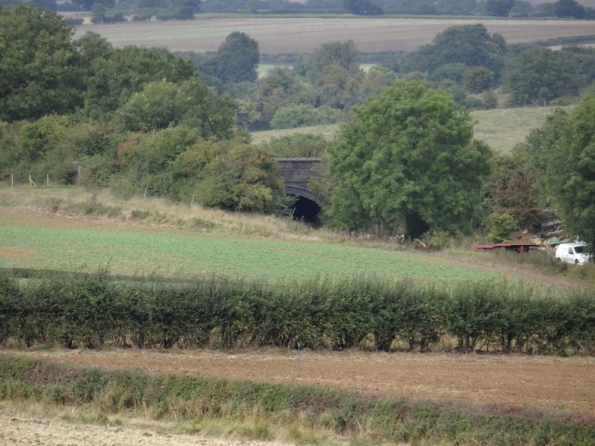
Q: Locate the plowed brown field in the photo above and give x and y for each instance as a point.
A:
(545, 383)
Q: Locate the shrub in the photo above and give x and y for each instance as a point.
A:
(500, 227)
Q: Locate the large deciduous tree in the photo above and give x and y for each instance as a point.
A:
(114, 76)
(343, 54)
(237, 59)
(407, 161)
(163, 104)
(40, 69)
(471, 45)
(566, 146)
(538, 75)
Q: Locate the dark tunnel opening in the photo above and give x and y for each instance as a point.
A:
(306, 211)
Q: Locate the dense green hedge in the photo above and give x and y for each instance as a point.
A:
(360, 418)
(217, 312)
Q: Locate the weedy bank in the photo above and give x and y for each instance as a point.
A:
(298, 413)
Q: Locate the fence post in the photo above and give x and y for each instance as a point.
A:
(47, 180)
(31, 182)
(11, 181)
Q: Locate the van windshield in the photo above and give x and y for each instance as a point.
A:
(578, 249)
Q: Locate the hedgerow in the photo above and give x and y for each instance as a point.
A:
(364, 419)
(220, 312)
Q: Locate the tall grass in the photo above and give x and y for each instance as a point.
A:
(357, 418)
(220, 312)
(158, 212)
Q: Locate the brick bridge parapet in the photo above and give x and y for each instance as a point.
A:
(296, 173)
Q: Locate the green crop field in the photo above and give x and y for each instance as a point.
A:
(182, 254)
(277, 35)
(500, 128)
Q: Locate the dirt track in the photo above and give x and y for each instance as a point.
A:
(538, 382)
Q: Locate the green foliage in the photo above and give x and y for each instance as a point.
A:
(196, 398)
(164, 104)
(342, 54)
(177, 163)
(302, 115)
(117, 74)
(279, 89)
(337, 88)
(362, 7)
(40, 71)
(471, 45)
(572, 9)
(513, 187)
(92, 311)
(298, 146)
(564, 146)
(237, 59)
(377, 79)
(537, 75)
(500, 227)
(478, 79)
(450, 71)
(98, 15)
(500, 8)
(407, 161)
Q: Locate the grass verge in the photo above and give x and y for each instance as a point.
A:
(297, 413)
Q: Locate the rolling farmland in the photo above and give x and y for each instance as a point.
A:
(303, 35)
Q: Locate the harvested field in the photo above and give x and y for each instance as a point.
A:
(47, 431)
(303, 35)
(544, 383)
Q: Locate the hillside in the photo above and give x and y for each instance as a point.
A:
(500, 128)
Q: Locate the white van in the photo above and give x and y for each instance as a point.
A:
(573, 253)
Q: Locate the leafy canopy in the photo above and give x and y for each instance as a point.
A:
(538, 75)
(471, 45)
(40, 70)
(237, 59)
(566, 146)
(407, 161)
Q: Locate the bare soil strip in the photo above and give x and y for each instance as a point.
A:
(304, 35)
(545, 383)
(23, 429)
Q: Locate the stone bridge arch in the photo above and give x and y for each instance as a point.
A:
(296, 173)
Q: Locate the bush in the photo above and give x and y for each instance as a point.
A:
(500, 227)
(302, 115)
